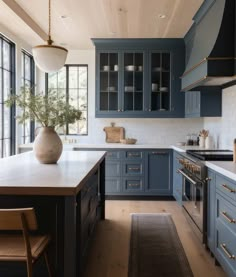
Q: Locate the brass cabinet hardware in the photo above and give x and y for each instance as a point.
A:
(228, 218)
(159, 153)
(229, 255)
(228, 188)
(133, 155)
(133, 185)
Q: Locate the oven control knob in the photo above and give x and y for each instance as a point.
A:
(181, 161)
(196, 169)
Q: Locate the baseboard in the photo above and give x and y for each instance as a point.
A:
(140, 197)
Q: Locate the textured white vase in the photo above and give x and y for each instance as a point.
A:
(47, 146)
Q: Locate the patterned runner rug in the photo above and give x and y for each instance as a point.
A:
(155, 248)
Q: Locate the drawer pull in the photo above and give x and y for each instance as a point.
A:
(227, 217)
(159, 153)
(134, 168)
(133, 185)
(133, 155)
(227, 188)
(223, 246)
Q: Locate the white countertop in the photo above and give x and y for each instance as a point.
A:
(23, 174)
(226, 168)
(71, 146)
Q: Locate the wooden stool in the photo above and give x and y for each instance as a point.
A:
(22, 247)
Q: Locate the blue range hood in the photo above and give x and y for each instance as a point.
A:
(211, 47)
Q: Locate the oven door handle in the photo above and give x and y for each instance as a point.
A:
(186, 176)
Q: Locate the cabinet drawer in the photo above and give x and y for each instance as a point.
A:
(113, 155)
(132, 154)
(226, 186)
(133, 185)
(226, 248)
(226, 213)
(113, 169)
(130, 168)
(113, 185)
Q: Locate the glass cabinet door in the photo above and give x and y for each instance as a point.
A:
(160, 82)
(133, 81)
(108, 86)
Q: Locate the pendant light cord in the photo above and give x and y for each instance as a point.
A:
(49, 23)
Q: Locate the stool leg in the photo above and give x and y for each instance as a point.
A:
(48, 265)
(29, 268)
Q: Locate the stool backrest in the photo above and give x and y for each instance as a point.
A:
(11, 219)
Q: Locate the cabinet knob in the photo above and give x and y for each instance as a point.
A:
(149, 110)
(118, 110)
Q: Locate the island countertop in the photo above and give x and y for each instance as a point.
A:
(23, 175)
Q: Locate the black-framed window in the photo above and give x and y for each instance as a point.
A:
(27, 81)
(72, 80)
(7, 87)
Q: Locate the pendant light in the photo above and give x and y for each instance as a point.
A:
(49, 58)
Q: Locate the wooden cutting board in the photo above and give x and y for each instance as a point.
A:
(114, 134)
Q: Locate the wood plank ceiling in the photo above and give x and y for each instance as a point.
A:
(74, 22)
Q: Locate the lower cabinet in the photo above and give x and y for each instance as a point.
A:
(158, 177)
(222, 221)
(139, 172)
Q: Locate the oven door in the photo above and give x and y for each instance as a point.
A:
(192, 199)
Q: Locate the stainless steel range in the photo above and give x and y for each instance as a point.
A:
(194, 186)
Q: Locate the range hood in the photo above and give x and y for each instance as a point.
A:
(211, 47)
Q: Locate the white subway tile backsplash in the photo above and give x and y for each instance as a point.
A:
(224, 128)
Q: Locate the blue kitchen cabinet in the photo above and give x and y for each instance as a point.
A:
(139, 77)
(159, 172)
(211, 192)
(113, 171)
(177, 178)
(221, 219)
(204, 103)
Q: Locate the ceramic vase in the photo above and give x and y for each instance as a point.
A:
(47, 146)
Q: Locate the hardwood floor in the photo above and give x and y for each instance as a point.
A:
(109, 253)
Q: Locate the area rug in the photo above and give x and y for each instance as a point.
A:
(155, 248)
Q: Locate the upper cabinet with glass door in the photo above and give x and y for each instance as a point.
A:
(133, 82)
(160, 99)
(139, 77)
(108, 82)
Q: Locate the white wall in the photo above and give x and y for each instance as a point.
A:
(145, 130)
(223, 128)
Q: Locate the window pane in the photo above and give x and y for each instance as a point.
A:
(62, 78)
(83, 77)
(27, 82)
(83, 124)
(6, 147)
(1, 122)
(6, 84)
(72, 80)
(73, 77)
(6, 122)
(6, 55)
(1, 100)
(52, 80)
(82, 99)
(27, 68)
(1, 153)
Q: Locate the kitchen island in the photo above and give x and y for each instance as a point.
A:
(69, 199)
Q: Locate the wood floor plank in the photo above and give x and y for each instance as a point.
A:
(109, 253)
